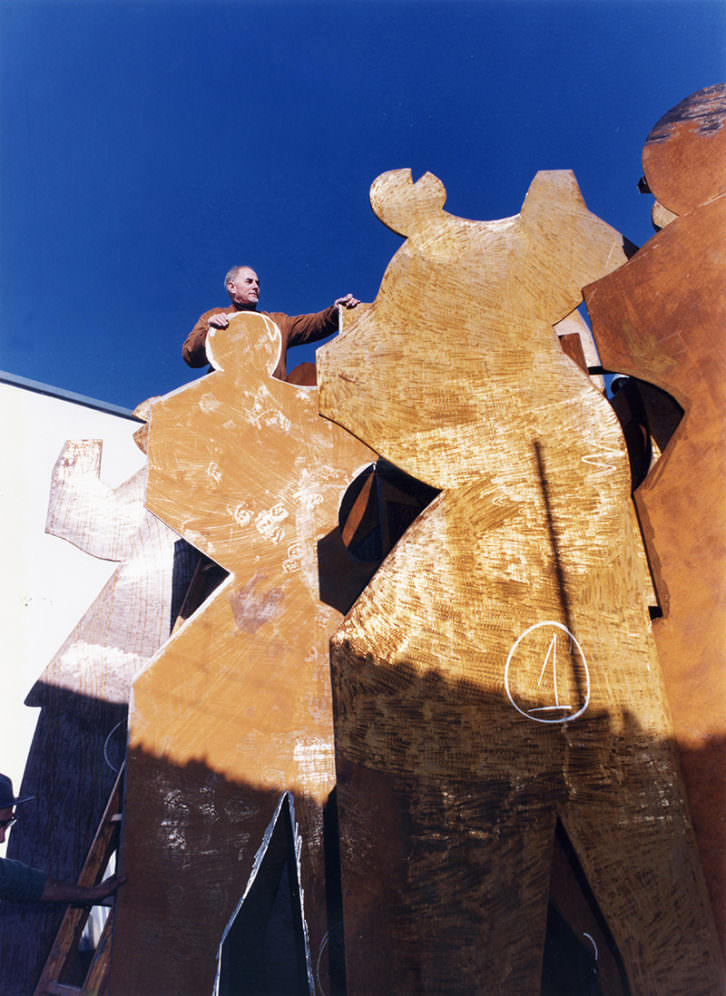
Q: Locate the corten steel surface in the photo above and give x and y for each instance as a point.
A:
(499, 671)
(236, 708)
(575, 325)
(572, 346)
(662, 318)
(685, 152)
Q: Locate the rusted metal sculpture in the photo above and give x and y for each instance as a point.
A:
(661, 319)
(506, 763)
(235, 712)
(499, 673)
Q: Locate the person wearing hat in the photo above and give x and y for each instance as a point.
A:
(20, 883)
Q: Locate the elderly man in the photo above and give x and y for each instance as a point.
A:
(20, 883)
(243, 286)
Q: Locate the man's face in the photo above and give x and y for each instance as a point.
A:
(244, 290)
(5, 816)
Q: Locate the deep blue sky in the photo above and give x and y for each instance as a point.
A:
(148, 146)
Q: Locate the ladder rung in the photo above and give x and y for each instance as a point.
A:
(74, 917)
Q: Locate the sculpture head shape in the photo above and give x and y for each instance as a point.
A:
(684, 156)
(468, 306)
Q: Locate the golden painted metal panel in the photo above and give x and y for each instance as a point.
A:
(236, 708)
(499, 671)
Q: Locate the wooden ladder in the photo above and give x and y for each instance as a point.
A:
(65, 946)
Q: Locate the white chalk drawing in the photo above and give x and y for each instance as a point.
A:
(242, 515)
(551, 681)
(591, 939)
(214, 473)
(607, 459)
(321, 952)
(295, 554)
(269, 523)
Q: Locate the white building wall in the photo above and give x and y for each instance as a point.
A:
(46, 584)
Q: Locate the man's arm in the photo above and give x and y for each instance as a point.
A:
(194, 350)
(297, 329)
(60, 892)
(311, 328)
(19, 883)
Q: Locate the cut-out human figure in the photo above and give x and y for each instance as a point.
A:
(499, 671)
(236, 708)
(661, 319)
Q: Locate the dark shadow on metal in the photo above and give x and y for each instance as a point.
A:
(378, 507)
(580, 954)
(334, 899)
(195, 578)
(559, 571)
